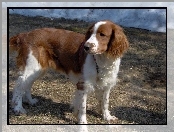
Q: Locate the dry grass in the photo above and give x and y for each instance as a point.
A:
(138, 98)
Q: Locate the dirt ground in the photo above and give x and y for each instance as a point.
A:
(138, 98)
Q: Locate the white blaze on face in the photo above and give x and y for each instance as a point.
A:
(93, 38)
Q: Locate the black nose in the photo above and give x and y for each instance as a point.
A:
(86, 48)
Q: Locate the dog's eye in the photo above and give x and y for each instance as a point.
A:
(101, 34)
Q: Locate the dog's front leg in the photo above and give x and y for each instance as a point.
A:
(80, 103)
(105, 105)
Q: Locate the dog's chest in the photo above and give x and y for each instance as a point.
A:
(107, 75)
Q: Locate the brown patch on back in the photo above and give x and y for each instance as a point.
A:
(54, 48)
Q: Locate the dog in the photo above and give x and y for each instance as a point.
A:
(90, 61)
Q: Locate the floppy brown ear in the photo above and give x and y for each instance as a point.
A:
(118, 43)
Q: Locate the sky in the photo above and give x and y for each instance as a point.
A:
(150, 19)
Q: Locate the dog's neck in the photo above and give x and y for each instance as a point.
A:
(105, 63)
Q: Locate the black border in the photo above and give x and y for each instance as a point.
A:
(8, 8)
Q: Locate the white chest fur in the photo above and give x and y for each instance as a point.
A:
(107, 71)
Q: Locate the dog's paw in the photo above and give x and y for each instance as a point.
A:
(19, 110)
(112, 119)
(108, 117)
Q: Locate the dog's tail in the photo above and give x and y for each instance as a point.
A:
(14, 44)
(18, 49)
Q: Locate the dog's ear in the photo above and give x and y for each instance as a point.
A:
(118, 43)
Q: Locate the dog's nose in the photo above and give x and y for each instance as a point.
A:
(86, 48)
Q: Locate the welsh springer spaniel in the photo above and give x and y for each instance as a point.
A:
(91, 62)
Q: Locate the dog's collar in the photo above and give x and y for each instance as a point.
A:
(97, 68)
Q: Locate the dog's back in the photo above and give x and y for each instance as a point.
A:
(49, 46)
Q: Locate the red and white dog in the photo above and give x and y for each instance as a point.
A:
(90, 61)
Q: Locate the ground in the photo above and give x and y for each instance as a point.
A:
(138, 98)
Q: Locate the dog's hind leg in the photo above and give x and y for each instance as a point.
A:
(24, 83)
(27, 98)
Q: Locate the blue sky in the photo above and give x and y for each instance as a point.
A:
(151, 19)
